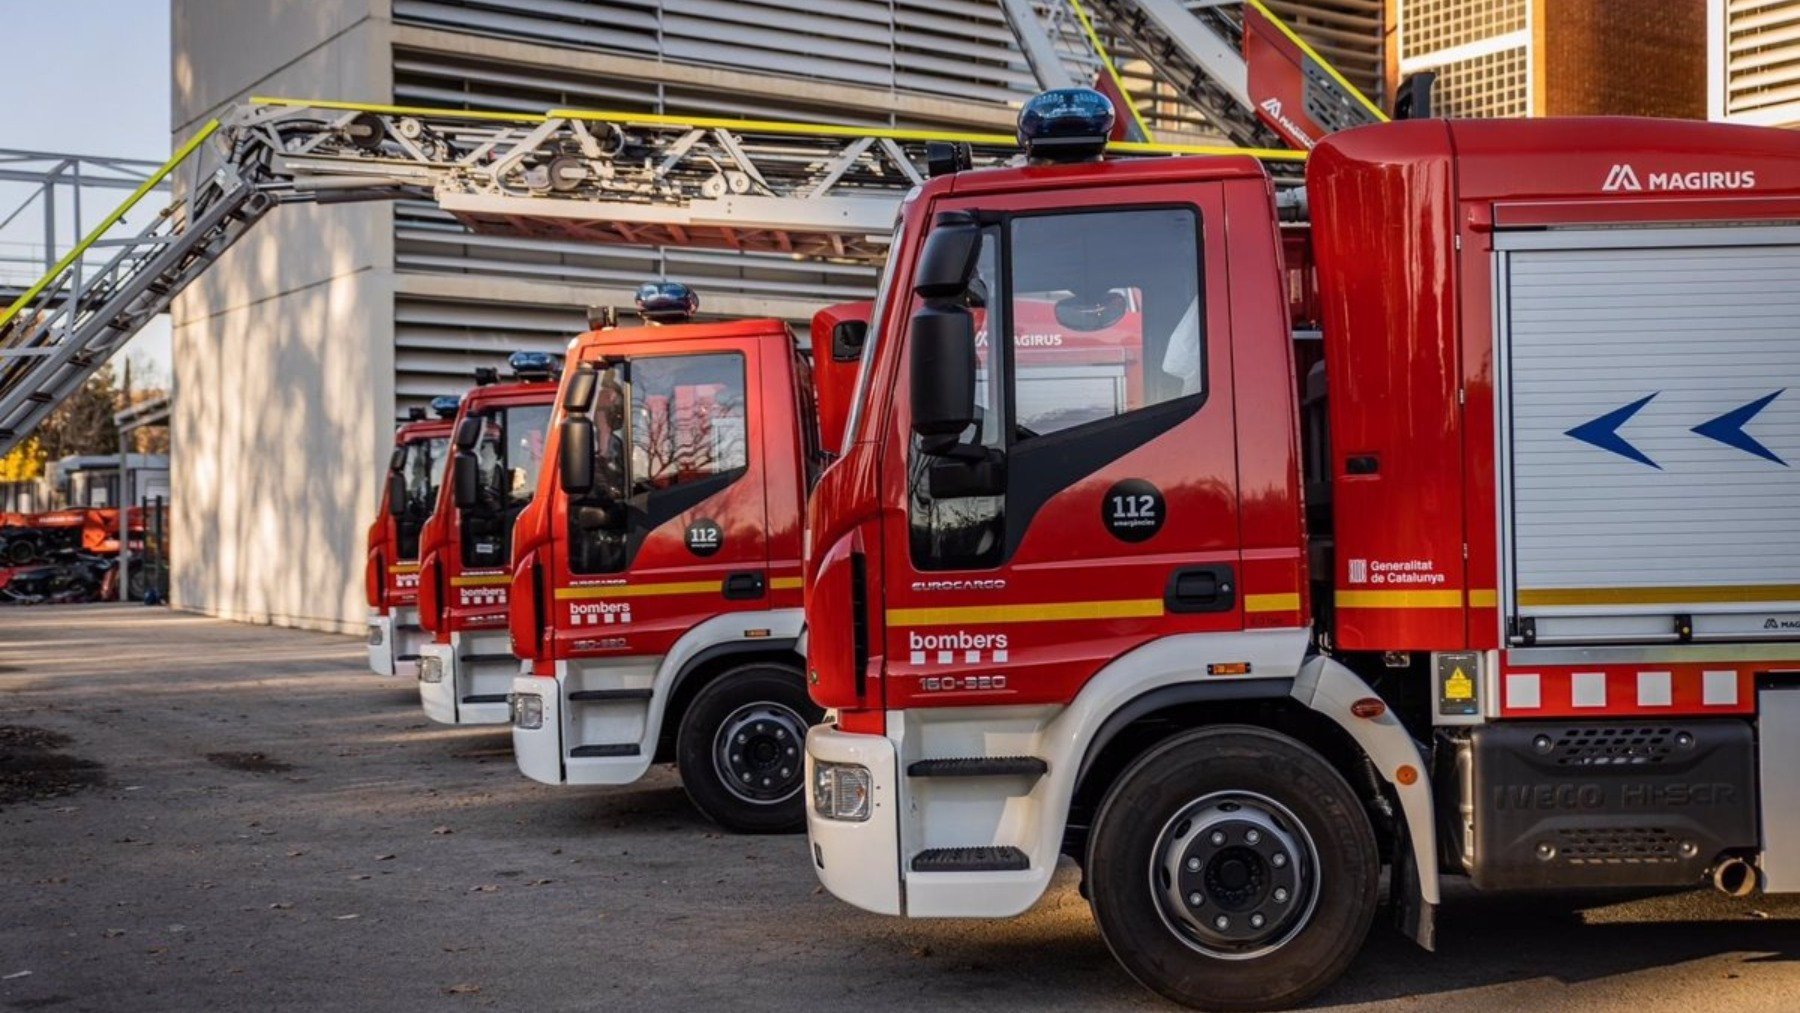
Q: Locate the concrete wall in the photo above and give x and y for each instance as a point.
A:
(283, 353)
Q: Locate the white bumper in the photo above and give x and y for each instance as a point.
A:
(381, 644)
(858, 861)
(539, 750)
(451, 700)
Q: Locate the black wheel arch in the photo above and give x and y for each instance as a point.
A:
(708, 665)
(1156, 715)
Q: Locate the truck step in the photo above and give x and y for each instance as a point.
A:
(485, 698)
(608, 695)
(606, 749)
(979, 766)
(985, 858)
(410, 628)
(406, 657)
(485, 659)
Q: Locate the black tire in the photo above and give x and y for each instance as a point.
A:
(762, 711)
(1159, 916)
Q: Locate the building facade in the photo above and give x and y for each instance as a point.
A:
(1553, 57)
(1753, 68)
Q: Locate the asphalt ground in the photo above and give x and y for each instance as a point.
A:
(202, 815)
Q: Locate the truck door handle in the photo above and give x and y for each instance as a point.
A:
(739, 586)
(1201, 589)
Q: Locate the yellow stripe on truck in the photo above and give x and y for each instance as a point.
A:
(1399, 599)
(1659, 595)
(640, 590)
(1288, 601)
(1133, 608)
(482, 580)
(786, 583)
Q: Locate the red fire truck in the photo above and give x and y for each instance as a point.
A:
(656, 575)
(1495, 578)
(497, 448)
(391, 575)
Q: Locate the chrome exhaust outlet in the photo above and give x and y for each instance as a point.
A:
(1735, 877)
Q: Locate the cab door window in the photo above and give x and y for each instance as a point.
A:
(507, 460)
(421, 465)
(1102, 349)
(670, 432)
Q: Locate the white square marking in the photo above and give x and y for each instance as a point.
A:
(946, 657)
(1523, 692)
(971, 657)
(918, 657)
(608, 618)
(1587, 689)
(1719, 689)
(1000, 657)
(1655, 689)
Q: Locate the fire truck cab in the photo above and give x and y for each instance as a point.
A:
(1506, 588)
(497, 448)
(391, 573)
(656, 576)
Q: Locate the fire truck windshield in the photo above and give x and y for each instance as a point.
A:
(876, 317)
(506, 466)
(421, 463)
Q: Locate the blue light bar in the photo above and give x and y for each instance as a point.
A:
(533, 365)
(666, 302)
(444, 406)
(1065, 125)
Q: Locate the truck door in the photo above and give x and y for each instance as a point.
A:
(675, 531)
(1106, 513)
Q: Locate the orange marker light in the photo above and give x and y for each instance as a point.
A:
(1229, 668)
(1407, 774)
(1368, 707)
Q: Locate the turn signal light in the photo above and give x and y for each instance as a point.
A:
(1368, 707)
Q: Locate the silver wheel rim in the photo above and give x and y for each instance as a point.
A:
(1234, 875)
(756, 753)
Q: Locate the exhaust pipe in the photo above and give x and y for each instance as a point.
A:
(1735, 877)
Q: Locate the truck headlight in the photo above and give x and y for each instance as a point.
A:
(841, 791)
(431, 668)
(374, 635)
(527, 710)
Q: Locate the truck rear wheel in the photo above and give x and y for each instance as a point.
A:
(741, 749)
(1232, 868)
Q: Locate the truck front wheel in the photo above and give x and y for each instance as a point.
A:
(1232, 868)
(741, 749)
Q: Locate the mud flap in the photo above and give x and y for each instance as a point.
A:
(1413, 914)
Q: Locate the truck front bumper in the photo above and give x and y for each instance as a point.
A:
(381, 644)
(445, 690)
(537, 728)
(857, 860)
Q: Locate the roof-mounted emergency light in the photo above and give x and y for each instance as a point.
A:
(1065, 125)
(666, 302)
(534, 366)
(444, 405)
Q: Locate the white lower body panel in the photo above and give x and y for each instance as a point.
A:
(858, 861)
(478, 670)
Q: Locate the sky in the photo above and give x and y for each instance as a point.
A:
(87, 77)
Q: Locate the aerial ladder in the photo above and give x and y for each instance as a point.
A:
(772, 186)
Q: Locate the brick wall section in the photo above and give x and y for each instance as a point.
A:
(1623, 58)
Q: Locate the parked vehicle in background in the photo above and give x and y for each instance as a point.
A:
(1494, 579)
(391, 574)
(467, 666)
(656, 574)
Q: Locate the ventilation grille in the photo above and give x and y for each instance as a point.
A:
(1589, 747)
(1618, 846)
(1762, 60)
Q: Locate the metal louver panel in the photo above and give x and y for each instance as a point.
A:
(1762, 61)
(438, 343)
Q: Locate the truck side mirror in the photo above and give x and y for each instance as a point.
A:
(575, 460)
(465, 482)
(396, 494)
(578, 396)
(847, 339)
(947, 261)
(468, 433)
(943, 376)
